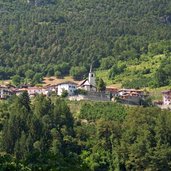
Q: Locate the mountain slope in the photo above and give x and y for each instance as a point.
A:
(42, 37)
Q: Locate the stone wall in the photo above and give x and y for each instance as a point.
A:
(95, 96)
(131, 101)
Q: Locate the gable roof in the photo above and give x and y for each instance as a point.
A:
(67, 82)
(85, 83)
(82, 82)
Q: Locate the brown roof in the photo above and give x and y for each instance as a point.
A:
(112, 89)
(67, 82)
(166, 92)
(82, 82)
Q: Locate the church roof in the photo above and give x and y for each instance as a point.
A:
(82, 82)
(85, 83)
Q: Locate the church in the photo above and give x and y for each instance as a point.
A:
(89, 84)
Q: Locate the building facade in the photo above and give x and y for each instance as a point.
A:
(166, 97)
(131, 96)
(69, 86)
(5, 92)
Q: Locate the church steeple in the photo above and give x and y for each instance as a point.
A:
(91, 67)
(91, 76)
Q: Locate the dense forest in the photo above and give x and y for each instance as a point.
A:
(43, 134)
(61, 37)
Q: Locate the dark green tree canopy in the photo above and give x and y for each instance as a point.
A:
(51, 37)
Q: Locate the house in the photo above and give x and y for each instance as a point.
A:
(69, 86)
(48, 89)
(89, 84)
(32, 91)
(130, 92)
(112, 91)
(5, 92)
(131, 96)
(166, 97)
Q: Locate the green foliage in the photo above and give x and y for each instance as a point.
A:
(137, 83)
(65, 34)
(143, 145)
(64, 93)
(101, 110)
(138, 142)
(29, 74)
(38, 78)
(159, 48)
(100, 84)
(78, 73)
(44, 131)
(116, 70)
(105, 136)
(58, 74)
(16, 80)
(62, 68)
(107, 63)
(80, 91)
(25, 100)
(163, 74)
(7, 162)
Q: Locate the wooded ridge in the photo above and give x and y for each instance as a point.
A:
(54, 37)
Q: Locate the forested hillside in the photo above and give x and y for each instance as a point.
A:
(44, 135)
(52, 37)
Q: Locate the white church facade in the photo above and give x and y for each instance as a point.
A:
(89, 84)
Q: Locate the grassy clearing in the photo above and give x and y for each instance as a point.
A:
(4, 82)
(134, 69)
(54, 80)
(104, 75)
(146, 62)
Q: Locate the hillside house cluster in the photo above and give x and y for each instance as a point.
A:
(6, 91)
(126, 96)
(69, 86)
(132, 96)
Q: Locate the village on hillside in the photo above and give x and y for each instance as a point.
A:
(87, 90)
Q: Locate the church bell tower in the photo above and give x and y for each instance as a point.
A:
(91, 77)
